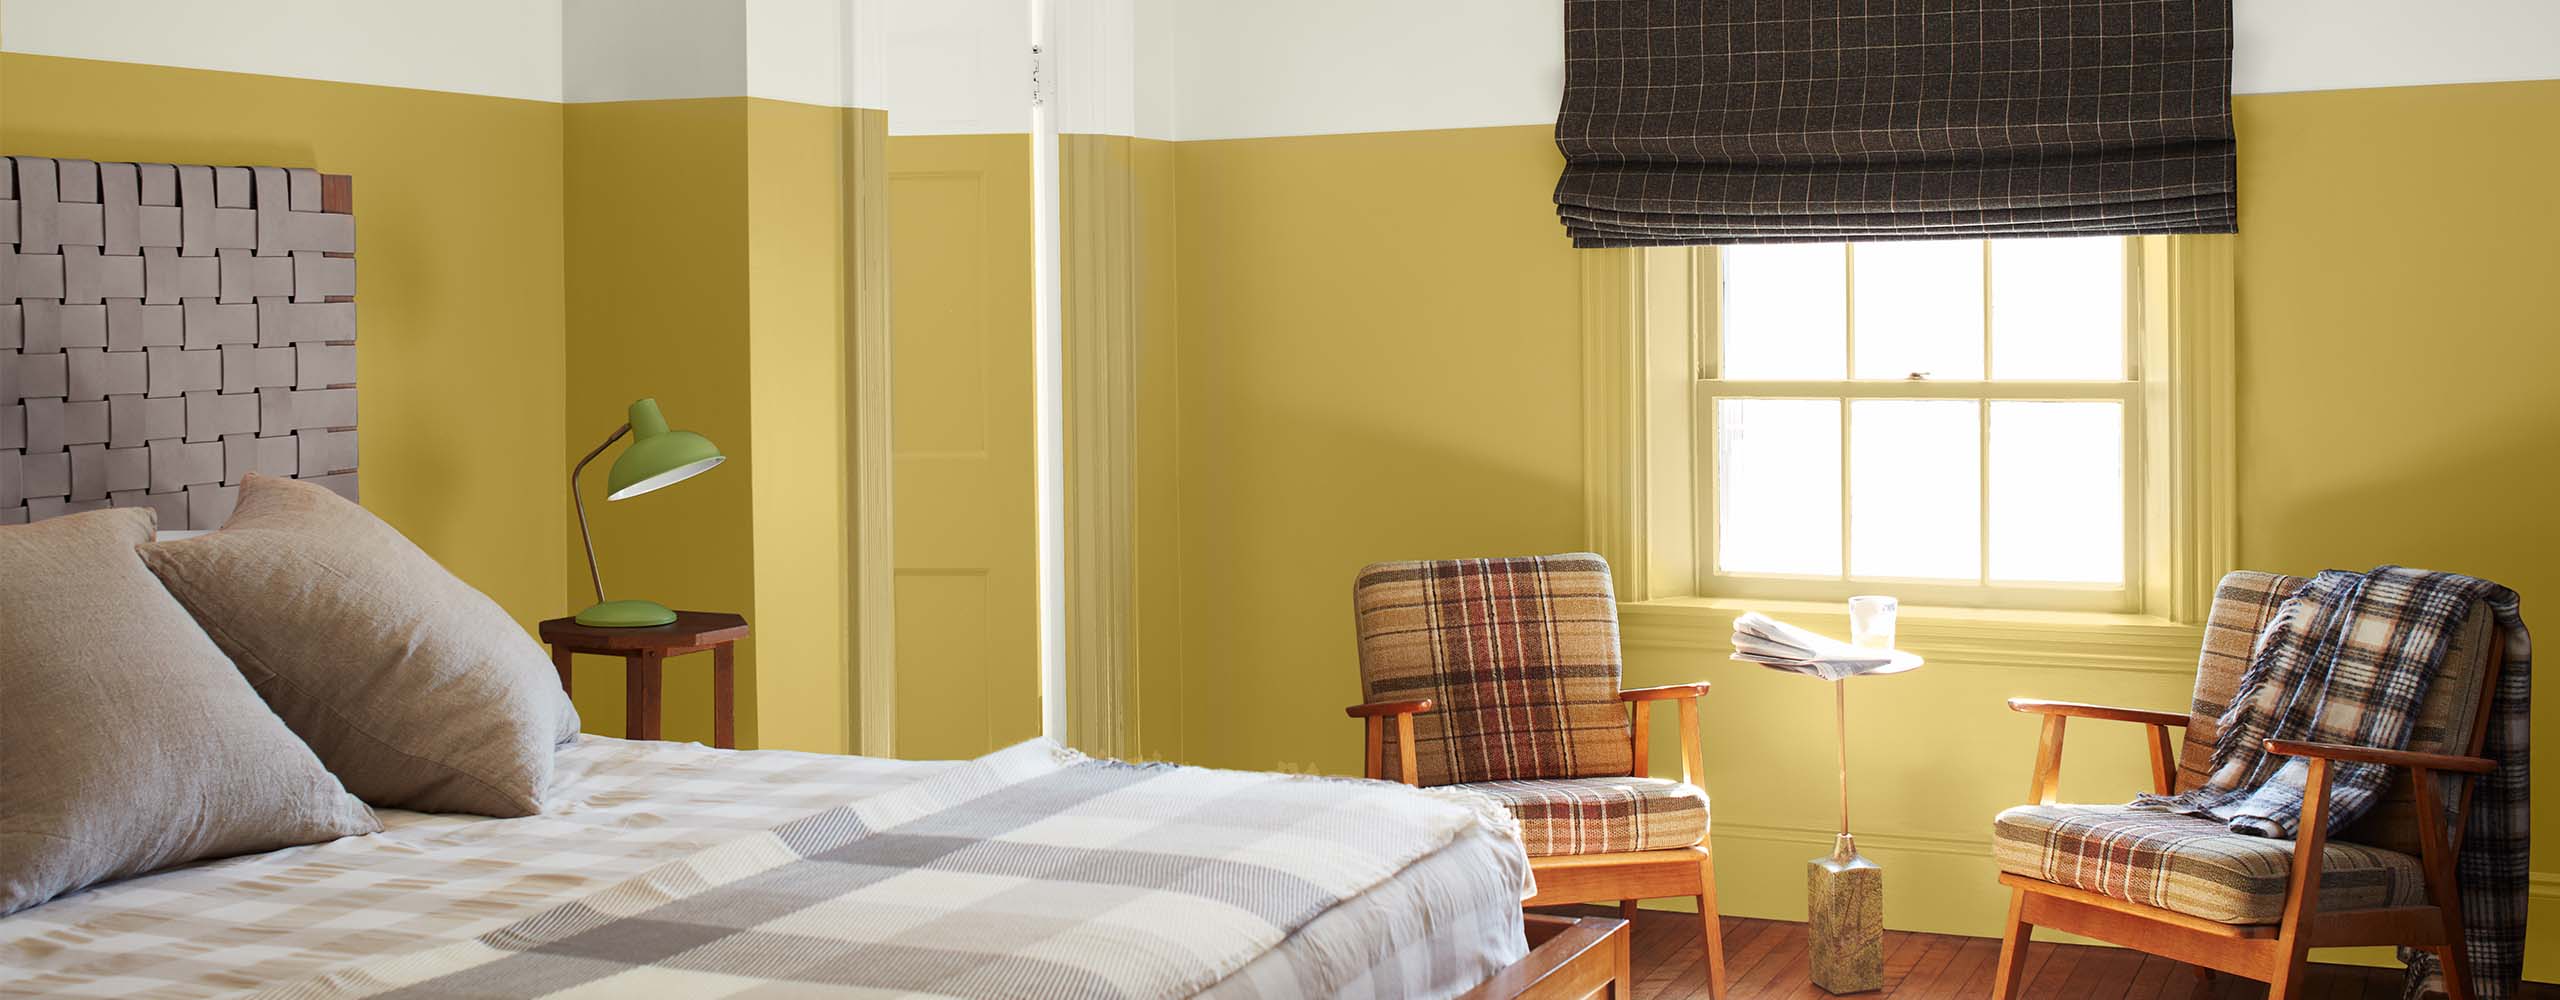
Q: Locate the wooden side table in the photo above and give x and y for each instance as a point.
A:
(644, 653)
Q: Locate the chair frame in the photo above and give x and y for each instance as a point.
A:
(2277, 953)
(1625, 876)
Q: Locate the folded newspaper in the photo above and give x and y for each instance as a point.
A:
(1758, 638)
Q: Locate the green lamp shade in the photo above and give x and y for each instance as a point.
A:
(658, 457)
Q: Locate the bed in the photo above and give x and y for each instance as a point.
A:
(302, 674)
(1448, 923)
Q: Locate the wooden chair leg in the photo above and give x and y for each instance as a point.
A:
(1627, 910)
(1713, 926)
(1622, 981)
(2009, 977)
(2292, 980)
(2455, 960)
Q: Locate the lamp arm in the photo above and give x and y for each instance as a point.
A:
(581, 504)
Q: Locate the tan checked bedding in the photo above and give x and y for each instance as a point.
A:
(615, 809)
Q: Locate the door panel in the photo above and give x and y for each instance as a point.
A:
(961, 440)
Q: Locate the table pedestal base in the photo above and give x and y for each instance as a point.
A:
(1844, 920)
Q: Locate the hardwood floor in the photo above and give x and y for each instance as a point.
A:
(1764, 960)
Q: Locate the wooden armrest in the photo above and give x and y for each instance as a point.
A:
(2111, 713)
(2377, 755)
(2048, 772)
(1696, 689)
(1378, 709)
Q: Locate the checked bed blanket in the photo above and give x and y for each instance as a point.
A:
(1030, 872)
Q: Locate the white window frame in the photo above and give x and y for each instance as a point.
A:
(1648, 323)
(2124, 596)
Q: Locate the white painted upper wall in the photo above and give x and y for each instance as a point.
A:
(1249, 68)
(500, 48)
(640, 50)
(1188, 69)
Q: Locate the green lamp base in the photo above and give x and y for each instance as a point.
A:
(626, 614)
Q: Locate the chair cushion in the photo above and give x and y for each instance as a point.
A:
(1521, 656)
(1602, 815)
(2189, 864)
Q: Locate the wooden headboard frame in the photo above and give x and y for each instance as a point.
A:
(166, 330)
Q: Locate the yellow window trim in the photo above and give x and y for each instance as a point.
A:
(1642, 310)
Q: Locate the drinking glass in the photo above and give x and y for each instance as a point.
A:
(1871, 621)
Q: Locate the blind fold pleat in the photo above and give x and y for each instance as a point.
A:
(1766, 121)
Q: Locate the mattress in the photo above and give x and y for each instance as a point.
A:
(614, 809)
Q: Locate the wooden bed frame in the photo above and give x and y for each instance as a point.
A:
(1570, 958)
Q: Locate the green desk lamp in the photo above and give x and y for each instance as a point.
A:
(658, 457)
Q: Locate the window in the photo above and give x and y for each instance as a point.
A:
(1955, 422)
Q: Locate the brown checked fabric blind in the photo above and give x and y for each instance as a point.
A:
(1775, 121)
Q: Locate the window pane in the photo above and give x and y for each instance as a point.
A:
(1785, 314)
(1919, 309)
(1778, 486)
(1915, 488)
(2057, 491)
(2057, 308)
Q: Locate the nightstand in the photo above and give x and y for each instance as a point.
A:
(644, 651)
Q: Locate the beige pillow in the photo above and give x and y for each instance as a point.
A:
(127, 742)
(418, 691)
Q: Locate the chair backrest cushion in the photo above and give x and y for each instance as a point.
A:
(2244, 607)
(1521, 656)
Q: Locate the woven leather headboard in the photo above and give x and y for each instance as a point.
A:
(165, 330)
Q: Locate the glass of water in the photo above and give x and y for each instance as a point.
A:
(1871, 621)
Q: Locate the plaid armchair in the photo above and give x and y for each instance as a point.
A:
(2191, 889)
(1502, 677)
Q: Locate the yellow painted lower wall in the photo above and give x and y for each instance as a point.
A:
(705, 269)
(796, 398)
(658, 307)
(2398, 342)
(1378, 360)
(460, 354)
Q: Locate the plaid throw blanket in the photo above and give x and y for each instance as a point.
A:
(2348, 660)
(1031, 872)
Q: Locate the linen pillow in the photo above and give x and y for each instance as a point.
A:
(127, 742)
(420, 692)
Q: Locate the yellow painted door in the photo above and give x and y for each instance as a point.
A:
(961, 438)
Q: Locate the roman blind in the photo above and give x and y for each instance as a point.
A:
(1770, 121)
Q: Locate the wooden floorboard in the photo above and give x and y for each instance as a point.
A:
(1765, 960)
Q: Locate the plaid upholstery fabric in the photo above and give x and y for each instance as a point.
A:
(2349, 658)
(2493, 863)
(1602, 815)
(2243, 606)
(2189, 864)
(1521, 656)
(1827, 120)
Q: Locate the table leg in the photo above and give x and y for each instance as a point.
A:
(560, 661)
(724, 697)
(640, 694)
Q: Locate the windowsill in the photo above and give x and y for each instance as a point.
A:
(1915, 614)
(1977, 636)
